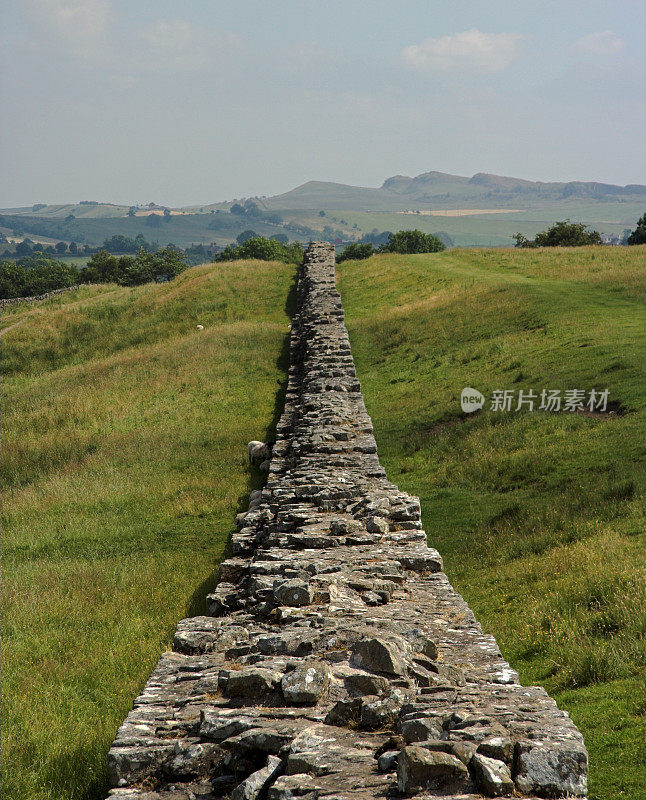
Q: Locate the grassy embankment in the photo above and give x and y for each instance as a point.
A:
(539, 516)
(125, 434)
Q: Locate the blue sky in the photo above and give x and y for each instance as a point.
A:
(204, 101)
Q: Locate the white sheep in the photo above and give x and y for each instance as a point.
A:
(200, 327)
(258, 452)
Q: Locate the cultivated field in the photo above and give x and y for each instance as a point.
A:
(125, 429)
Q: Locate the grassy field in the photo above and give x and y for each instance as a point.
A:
(539, 516)
(124, 433)
(492, 230)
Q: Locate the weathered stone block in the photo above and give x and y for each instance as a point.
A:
(252, 682)
(418, 768)
(378, 655)
(306, 683)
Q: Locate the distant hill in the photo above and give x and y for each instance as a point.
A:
(433, 185)
(430, 188)
(341, 212)
(397, 193)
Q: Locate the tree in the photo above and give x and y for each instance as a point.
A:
(561, 234)
(374, 237)
(61, 247)
(23, 248)
(119, 244)
(102, 268)
(236, 208)
(34, 275)
(356, 250)
(248, 234)
(167, 214)
(73, 248)
(263, 249)
(132, 211)
(140, 241)
(252, 209)
(321, 213)
(153, 220)
(445, 238)
(638, 236)
(414, 241)
(283, 238)
(145, 267)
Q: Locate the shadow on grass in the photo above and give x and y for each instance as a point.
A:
(65, 771)
(255, 480)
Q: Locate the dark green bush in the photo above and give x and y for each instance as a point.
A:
(638, 236)
(263, 249)
(561, 234)
(412, 242)
(145, 267)
(356, 250)
(34, 275)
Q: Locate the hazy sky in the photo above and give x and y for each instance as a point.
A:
(199, 101)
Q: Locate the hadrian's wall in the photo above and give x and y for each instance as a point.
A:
(10, 301)
(337, 660)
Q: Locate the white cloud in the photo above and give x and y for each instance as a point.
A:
(472, 49)
(76, 20)
(602, 43)
(178, 44)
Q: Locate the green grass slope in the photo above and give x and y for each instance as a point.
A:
(539, 516)
(124, 464)
(124, 433)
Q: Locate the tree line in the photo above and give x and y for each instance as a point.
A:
(576, 234)
(414, 241)
(39, 273)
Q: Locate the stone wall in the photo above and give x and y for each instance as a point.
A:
(10, 301)
(337, 660)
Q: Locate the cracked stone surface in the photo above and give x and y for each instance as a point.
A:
(337, 660)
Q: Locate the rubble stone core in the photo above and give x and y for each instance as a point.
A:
(338, 661)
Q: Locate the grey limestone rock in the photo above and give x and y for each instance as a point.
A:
(306, 683)
(252, 788)
(492, 777)
(252, 682)
(418, 768)
(420, 730)
(551, 771)
(387, 762)
(294, 592)
(378, 655)
(291, 787)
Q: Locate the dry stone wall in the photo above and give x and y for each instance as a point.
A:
(10, 301)
(337, 660)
